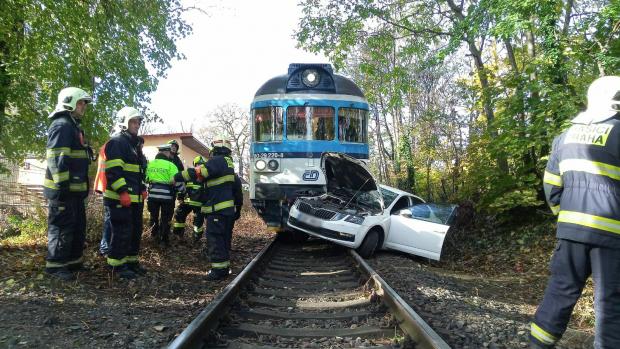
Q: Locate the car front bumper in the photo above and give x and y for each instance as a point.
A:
(340, 232)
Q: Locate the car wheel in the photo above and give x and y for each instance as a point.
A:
(369, 245)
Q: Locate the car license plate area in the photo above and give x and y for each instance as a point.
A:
(310, 220)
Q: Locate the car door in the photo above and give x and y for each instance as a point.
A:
(420, 229)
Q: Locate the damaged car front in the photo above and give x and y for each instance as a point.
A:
(357, 213)
(351, 205)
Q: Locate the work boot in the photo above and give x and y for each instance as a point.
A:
(137, 268)
(78, 267)
(218, 274)
(123, 272)
(60, 273)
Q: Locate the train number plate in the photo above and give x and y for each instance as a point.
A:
(269, 155)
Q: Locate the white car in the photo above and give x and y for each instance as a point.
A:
(357, 213)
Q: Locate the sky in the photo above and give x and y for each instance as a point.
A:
(233, 50)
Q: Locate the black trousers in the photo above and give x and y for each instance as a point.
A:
(161, 215)
(125, 226)
(571, 265)
(66, 232)
(181, 213)
(218, 239)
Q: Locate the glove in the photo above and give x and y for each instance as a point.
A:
(237, 212)
(145, 194)
(125, 199)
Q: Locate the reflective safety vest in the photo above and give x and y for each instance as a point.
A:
(100, 179)
(218, 176)
(67, 159)
(582, 183)
(123, 169)
(159, 174)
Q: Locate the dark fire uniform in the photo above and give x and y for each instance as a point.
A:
(66, 188)
(124, 173)
(218, 176)
(582, 186)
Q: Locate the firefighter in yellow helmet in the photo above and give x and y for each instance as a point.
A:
(193, 203)
(582, 186)
(66, 184)
(218, 178)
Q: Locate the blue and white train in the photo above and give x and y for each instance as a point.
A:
(295, 118)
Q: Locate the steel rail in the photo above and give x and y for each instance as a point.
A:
(408, 320)
(193, 335)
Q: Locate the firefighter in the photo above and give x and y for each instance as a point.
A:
(192, 203)
(174, 149)
(66, 184)
(124, 195)
(582, 186)
(161, 193)
(218, 177)
(100, 185)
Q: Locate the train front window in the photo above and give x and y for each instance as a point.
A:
(353, 125)
(310, 123)
(268, 124)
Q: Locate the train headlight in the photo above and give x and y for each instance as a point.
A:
(273, 165)
(260, 165)
(310, 77)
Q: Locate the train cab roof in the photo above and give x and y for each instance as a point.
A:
(310, 78)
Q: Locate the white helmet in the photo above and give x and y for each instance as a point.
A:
(125, 114)
(603, 101)
(68, 98)
(221, 141)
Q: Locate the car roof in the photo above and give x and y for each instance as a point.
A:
(399, 192)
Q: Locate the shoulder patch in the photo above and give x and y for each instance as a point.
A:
(588, 134)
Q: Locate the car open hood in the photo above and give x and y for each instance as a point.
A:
(345, 172)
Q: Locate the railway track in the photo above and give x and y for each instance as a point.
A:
(314, 295)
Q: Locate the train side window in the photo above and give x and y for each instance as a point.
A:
(268, 124)
(353, 125)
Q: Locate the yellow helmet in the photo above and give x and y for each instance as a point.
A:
(199, 160)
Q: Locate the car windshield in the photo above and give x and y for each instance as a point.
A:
(388, 196)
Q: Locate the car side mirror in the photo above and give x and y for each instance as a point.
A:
(405, 213)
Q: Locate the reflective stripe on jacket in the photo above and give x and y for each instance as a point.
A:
(67, 159)
(218, 177)
(123, 169)
(582, 183)
(194, 194)
(159, 174)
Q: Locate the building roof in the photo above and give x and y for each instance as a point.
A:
(187, 139)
